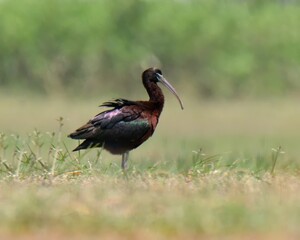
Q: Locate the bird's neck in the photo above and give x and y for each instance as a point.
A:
(156, 96)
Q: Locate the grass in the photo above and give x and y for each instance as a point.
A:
(223, 174)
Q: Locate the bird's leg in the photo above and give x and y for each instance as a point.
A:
(124, 160)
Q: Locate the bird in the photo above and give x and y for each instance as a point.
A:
(127, 124)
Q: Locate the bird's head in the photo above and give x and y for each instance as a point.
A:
(155, 75)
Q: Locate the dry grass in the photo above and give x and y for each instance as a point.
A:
(212, 204)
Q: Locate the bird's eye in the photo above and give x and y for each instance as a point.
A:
(158, 71)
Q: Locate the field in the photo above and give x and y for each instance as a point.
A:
(227, 167)
(217, 170)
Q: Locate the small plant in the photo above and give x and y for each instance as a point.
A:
(275, 155)
(203, 163)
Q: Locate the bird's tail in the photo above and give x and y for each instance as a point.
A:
(84, 132)
(88, 144)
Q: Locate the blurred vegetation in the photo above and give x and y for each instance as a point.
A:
(220, 48)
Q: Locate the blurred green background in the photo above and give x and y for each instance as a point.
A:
(209, 169)
(209, 48)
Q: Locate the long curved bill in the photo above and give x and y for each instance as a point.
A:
(164, 81)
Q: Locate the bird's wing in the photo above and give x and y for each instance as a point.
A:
(125, 114)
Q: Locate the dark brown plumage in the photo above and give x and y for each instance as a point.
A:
(129, 123)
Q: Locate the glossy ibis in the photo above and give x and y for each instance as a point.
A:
(129, 123)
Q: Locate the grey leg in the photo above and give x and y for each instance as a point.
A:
(124, 160)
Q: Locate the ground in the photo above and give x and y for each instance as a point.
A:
(217, 170)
